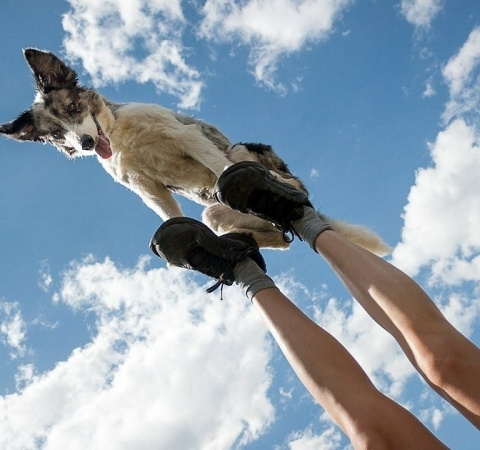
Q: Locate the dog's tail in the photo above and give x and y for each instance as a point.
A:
(361, 235)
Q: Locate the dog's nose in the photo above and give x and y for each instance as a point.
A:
(87, 142)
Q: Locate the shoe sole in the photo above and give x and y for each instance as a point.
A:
(232, 180)
(165, 230)
(168, 231)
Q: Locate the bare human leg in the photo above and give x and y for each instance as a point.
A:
(447, 360)
(338, 383)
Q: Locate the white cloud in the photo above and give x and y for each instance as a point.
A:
(12, 328)
(462, 76)
(435, 415)
(461, 310)
(45, 275)
(25, 374)
(459, 68)
(429, 90)
(442, 217)
(106, 36)
(287, 394)
(168, 367)
(271, 28)
(420, 13)
(308, 440)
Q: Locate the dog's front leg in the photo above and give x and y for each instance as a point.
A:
(221, 219)
(203, 150)
(160, 200)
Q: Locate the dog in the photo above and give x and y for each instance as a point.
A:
(153, 151)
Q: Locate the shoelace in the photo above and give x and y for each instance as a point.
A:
(215, 287)
(207, 263)
(219, 284)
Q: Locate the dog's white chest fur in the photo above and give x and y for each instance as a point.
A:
(154, 154)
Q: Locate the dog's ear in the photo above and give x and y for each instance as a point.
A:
(49, 71)
(23, 128)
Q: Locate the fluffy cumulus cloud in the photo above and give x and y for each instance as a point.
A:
(108, 37)
(260, 24)
(442, 217)
(167, 367)
(420, 13)
(144, 40)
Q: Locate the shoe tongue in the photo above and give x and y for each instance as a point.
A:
(103, 148)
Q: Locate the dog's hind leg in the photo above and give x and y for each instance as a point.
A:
(222, 219)
(265, 155)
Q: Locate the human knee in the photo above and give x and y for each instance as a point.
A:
(379, 434)
(441, 359)
(370, 440)
(376, 422)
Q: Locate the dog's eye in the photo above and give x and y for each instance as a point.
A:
(57, 134)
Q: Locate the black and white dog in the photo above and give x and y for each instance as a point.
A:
(152, 150)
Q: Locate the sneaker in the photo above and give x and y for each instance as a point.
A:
(188, 243)
(249, 187)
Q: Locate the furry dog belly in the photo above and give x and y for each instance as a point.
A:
(153, 153)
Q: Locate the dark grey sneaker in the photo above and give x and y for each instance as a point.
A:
(249, 187)
(188, 243)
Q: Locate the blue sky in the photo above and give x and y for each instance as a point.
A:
(375, 105)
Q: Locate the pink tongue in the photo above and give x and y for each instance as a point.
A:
(103, 147)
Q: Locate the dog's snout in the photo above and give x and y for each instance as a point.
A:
(87, 142)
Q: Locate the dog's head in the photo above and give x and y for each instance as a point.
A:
(64, 113)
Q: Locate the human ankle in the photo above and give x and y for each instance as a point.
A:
(310, 226)
(251, 278)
